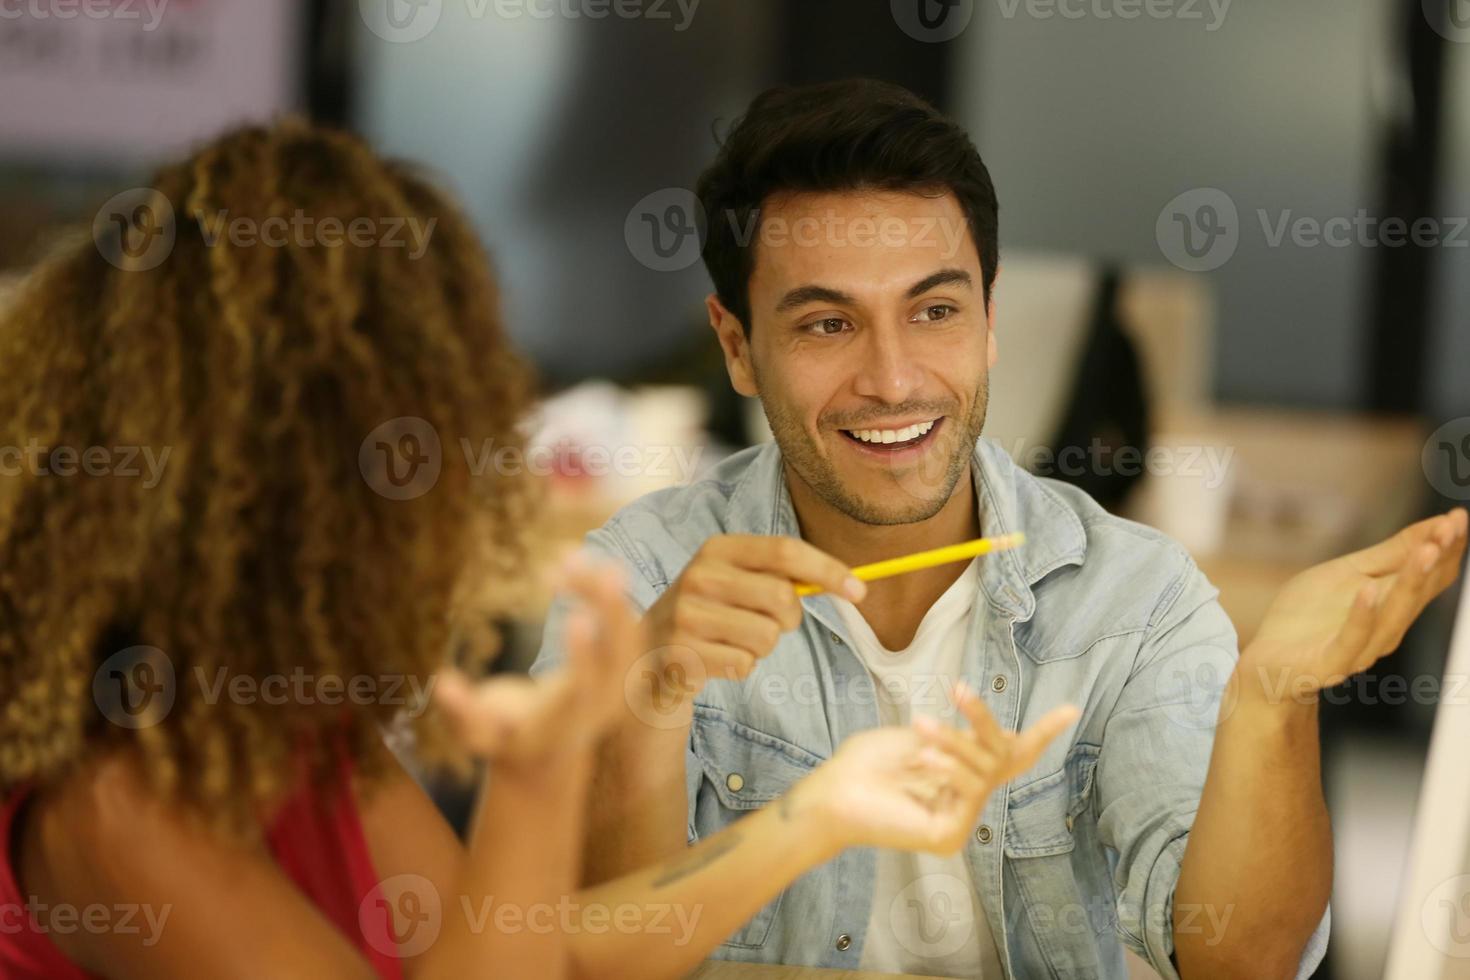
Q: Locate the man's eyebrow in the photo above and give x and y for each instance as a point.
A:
(812, 293)
(802, 295)
(943, 277)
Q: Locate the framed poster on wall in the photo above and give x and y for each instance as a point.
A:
(122, 82)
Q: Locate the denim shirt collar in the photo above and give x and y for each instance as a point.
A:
(1008, 498)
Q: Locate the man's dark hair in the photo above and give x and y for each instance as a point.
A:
(856, 134)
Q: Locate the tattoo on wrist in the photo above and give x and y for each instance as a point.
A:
(681, 868)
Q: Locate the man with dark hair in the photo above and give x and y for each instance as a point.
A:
(852, 241)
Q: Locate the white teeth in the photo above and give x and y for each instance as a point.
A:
(893, 435)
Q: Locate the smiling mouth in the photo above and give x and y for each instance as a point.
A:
(893, 440)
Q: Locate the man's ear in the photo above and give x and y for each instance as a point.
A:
(734, 344)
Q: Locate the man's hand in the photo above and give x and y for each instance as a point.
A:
(1339, 618)
(732, 603)
(727, 610)
(1273, 872)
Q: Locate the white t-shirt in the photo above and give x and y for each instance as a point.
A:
(926, 915)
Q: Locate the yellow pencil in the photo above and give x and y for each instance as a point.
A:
(926, 559)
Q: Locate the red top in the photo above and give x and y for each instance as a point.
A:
(317, 840)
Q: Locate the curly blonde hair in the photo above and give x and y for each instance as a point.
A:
(267, 546)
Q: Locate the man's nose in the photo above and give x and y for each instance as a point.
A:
(889, 371)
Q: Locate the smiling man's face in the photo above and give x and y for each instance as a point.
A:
(870, 347)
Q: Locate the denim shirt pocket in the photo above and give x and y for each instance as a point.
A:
(735, 769)
(1061, 920)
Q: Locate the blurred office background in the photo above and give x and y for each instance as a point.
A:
(1161, 168)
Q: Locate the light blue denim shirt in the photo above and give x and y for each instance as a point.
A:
(1075, 859)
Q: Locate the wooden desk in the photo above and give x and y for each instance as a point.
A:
(725, 970)
(1306, 487)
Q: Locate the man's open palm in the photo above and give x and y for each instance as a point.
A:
(1339, 618)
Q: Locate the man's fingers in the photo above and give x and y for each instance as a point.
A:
(1404, 600)
(706, 619)
(1454, 551)
(1351, 642)
(721, 661)
(1030, 743)
(1454, 527)
(1413, 566)
(792, 559)
(1441, 574)
(1388, 556)
(760, 592)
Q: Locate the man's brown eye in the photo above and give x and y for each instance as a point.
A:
(830, 325)
(935, 314)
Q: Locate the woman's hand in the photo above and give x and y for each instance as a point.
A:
(1339, 618)
(922, 788)
(520, 722)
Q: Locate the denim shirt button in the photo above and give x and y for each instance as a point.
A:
(735, 781)
(835, 638)
(983, 834)
(844, 941)
(999, 684)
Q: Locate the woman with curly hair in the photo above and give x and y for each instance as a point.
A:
(197, 668)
